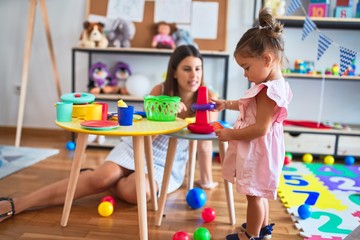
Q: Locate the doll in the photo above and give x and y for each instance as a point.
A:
(100, 80)
(120, 74)
(163, 38)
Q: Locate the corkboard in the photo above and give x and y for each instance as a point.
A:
(146, 29)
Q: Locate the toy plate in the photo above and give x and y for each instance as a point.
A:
(99, 124)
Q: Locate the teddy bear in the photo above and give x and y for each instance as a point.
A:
(93, 35)
(122, 31)
(101, 80)
(183, 37)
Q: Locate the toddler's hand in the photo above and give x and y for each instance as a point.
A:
(219, 105)
(223, 134)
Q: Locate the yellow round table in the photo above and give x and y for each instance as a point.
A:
(141, 132)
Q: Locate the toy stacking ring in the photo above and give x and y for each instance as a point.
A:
(78, 98)
(203, 107)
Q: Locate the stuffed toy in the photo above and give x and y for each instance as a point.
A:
(163, 38)
(183, 37)
(120, 74)
(93, 35)
(101, 80)
(277, 7)
(121, 33)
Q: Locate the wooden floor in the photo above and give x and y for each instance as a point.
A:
(86, 223)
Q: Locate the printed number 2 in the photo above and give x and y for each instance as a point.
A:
(330, 226)
(297, 181)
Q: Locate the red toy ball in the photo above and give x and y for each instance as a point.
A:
(109, 199)
(208, 214)
(287, 160)
(181, 235)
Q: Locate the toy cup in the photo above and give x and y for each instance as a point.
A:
(125, 115)
(93, 112)
(64, 111)
(105, 108)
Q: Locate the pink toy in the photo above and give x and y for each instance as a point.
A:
(208, 214)
(181, 235)
(201, 124)
(109, 199)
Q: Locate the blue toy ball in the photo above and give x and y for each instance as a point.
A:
(196, 198)
(304, 211)
(70, 145)
(349, 160)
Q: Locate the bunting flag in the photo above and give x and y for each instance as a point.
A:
(323, 44)
(309, 26)
(346, 58)
(294, 5)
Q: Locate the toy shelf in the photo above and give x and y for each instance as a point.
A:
(336, 142)
(112, 99)
(326, 22)
(319, 76)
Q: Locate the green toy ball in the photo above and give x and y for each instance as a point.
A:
(307, 158)
(329, 160)
(289, 155)
(202, 233)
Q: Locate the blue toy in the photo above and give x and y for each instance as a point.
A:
(70, 145)
(196, 198)
(349, 160)
(304, 211)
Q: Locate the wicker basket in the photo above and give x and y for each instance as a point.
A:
(161, 108)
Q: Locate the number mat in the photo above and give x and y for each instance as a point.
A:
(332, 191)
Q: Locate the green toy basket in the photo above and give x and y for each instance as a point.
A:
(161, 108)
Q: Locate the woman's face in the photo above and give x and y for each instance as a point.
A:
(189, 74)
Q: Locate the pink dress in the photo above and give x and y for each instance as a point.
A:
(256, 165)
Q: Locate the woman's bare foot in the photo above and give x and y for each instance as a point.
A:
(206, 186)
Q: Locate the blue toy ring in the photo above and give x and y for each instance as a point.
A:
(203, 107)
(78, 98)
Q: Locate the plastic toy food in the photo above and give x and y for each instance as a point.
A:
(121, 103)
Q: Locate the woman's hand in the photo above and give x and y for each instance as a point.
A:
(182, 108)
(219, 104)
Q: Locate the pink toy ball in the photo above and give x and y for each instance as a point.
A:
(181, 235)
(109, 199)
(208, 214)
(287, 160)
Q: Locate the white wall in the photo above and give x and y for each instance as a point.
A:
(341, 98)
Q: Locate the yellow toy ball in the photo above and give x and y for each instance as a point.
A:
(329, 160)
(105, 209)
(307, 158)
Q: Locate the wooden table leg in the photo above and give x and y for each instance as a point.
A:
(191, 164)
(228, 187)
(150, 169)
(165, 183)
(138, 144)
(74, 176)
